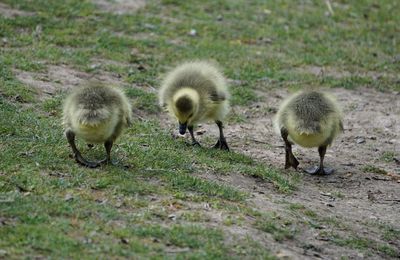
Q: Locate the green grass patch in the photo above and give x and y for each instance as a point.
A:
(58, 209)
(391, 233)
(149, 162)
(143, 100)
(279, 228)
(373, 169)
(13, 89)
(243, 96)
(365, 244)
(388, 156)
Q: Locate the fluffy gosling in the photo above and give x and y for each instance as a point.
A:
(97, 114)
(309, 119)
(195, 92)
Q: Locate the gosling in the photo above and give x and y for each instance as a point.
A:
(309, 119)
(97, 114)
(195, 92)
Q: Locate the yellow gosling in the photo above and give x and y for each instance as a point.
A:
(309, 119)
(195, 92)
(97, 114)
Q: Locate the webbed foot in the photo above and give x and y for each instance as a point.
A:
(223, 145)
(194, 143)
(107, 161)
(291, 162)
(316, 170)
(82, 161)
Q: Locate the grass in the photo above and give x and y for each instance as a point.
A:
(143, 100)
(373, 169)
(352, 240)
(279, 228)
(51, 207)
(388, 156)
(390, 233)
(367, 245)
(37, 165)
(243, 96)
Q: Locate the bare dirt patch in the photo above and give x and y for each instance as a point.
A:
(59, 78)
(120, 6)
(96, 62)
(339, 73)
(363, 193)
(9, 12)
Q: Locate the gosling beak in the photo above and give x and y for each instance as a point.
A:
(182, 128)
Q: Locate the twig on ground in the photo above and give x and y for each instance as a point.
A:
(328, 4)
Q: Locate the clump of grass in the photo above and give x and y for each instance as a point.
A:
(143, 100)
(365, 244)
(284, 182)
(53, 105)
(195, 216)
(243, 96)
(211, 189)
(13, 89)
(182, 236)
(392, 234)
(373, 169)
(277, 227)
(388, 156)
(296, 206)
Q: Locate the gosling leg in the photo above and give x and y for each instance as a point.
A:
(194, 141)
(290, 160)
(107, 145)
(221, 143)
(78, 157)
(320, 170)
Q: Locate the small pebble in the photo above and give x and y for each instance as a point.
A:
(149, 26)
(193, 32)
(360, 140)
(68, 197)
(267, 11)
(200, 132)
(95, 66)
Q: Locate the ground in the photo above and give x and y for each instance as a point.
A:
(166, 199)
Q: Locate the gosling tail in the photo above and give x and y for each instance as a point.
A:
(92, 117)
(308, 127)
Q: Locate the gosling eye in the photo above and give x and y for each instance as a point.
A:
(191, 115)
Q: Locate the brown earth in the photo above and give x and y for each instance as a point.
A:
(58, 78)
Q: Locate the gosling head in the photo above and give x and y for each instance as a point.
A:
(185, 107)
